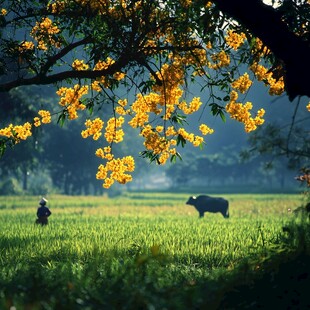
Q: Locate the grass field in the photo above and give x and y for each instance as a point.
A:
(140, 250)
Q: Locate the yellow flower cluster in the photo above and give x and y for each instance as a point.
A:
(276, 86)
(105, 153)
(93, 128)
(120, 109)
(111, 134)
(18, 132)
(153, 141)
(3, 12)
(44, 32)
(79, 65)
(56, 7)
(262, 74)
(115, 170)
(190, 137)
(70, 98)
(165, 101)
(142, 107)
(242, 84)
(169, 92)
(119, 76)
(259, 49)
(308, 106)
(45, 118)
(234, 40)
(205, 130)
(103, 65)
(158, 144)
(193, 106)
(25, 46)
(259, 71)
(240, 112)
(220, 60)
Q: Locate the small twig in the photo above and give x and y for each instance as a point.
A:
(292, 124)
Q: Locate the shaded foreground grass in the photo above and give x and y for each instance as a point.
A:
(152, 252)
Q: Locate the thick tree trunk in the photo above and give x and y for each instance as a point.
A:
(266, 23)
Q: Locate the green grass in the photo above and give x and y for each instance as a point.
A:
(141, 250)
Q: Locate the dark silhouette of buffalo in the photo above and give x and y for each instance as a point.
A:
(204, 203)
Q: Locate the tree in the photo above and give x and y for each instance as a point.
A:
(285, 141)
(89, 49)
(18, 162)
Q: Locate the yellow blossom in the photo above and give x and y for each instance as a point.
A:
(93, 128)
(44, 32)
(209, 45)
(36, 121)
(170, 131)
(220, 60)
(25, 45)
(111, 132)
(79, 65)
(205, 129)
(276, 86)
(46, 116)
(18, 132)
(120, 109)
(234, 40)
(259, 71)
(262, 74)
(242, 84)
(116, 169)
(57, 7)
(197, 141)
(164, 157)
(103, 65)
(70, 98)
(119, 76)
(108, 182)
(159, 128)
(241, 113)
(192, 107)
(3, 12)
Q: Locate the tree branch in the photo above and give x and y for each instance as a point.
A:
(52, 60)
(42, 79)
(266, 23)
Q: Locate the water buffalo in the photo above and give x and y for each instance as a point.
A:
(204, 203)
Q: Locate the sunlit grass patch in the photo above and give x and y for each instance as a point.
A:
(149, 245)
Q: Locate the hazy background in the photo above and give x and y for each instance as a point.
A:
(59, 160)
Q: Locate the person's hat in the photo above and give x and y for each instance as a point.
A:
(43, 201)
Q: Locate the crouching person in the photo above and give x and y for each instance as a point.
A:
(43, 213)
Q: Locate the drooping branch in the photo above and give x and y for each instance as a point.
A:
(43, 79)
(52, 60)
(266, 23)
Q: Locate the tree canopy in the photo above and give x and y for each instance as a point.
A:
(138, 57)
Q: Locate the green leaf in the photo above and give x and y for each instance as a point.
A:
(2, 147)
(218, 110)
(223, 117)
(226, 98)
(179, 119)
(181, 140)
(61, 119)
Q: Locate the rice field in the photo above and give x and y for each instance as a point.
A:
(134, 251)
